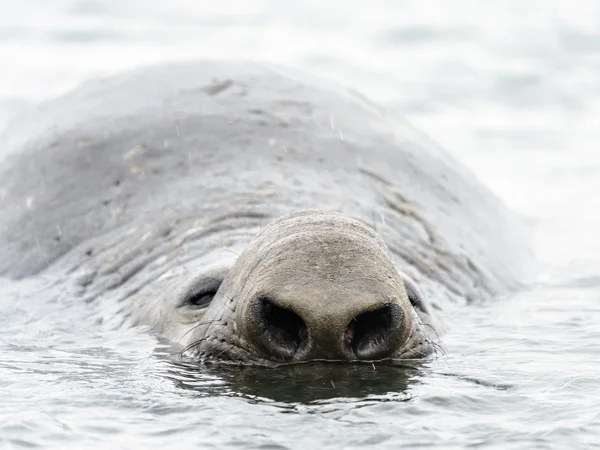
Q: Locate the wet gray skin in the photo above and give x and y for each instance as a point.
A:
(249, 214)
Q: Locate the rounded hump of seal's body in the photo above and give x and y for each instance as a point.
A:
(211, 138)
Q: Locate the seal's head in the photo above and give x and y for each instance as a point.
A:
(313, 285)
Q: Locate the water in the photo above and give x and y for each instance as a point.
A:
(511, 88)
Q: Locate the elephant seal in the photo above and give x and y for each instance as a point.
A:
(249, 213)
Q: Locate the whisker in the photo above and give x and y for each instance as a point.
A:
(230, 300)
(207, 322)
(428, 325)
(187, 348)
(439, 348)
(373, 218)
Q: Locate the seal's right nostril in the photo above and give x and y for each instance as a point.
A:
(283, 331)
(374, 334)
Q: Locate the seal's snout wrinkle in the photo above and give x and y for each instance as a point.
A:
(340, 334)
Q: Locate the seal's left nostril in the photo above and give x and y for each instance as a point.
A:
(373, 334)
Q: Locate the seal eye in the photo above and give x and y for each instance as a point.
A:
(413, 293)
(415, 298)
(201, 299)
(202, 293)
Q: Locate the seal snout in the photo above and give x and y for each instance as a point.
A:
(314, 286)
(290, 332)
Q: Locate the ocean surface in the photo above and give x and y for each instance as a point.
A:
(511, 88)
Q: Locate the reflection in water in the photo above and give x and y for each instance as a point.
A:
(299, 383)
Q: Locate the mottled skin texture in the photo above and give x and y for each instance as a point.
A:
(147, 189)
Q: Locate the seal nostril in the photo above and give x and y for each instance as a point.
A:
(372, 334)
(285, 332)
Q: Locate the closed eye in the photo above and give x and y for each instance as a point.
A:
(202, 293)
(201, 300)
(414, 295)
